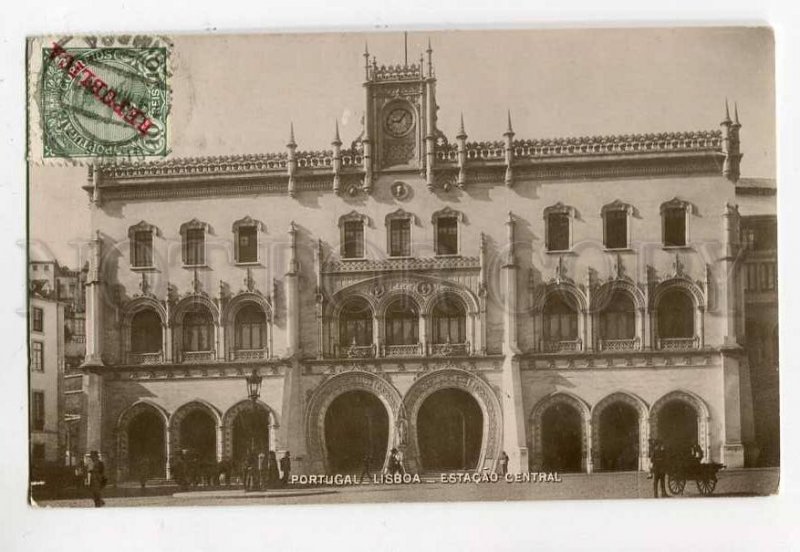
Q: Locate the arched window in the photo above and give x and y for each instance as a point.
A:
(250, 329)
(402, 322)
(618, 318)
(675, 315)
(560, 319)
(355, 323)
(448, 321)
(198, 330)
(146, 332)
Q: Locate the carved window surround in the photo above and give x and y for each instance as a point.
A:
(617, 206)
(193, 224)
(142, 226)
(353, 216)
(400, 214)
(688, 209)
(247, 222)
(558, 209)
(445, 213)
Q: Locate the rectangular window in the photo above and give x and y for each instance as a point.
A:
(616, 229)
(558, 232)
(447, 236)
(195, 248)
(37, 356)
(37, 319)
(675, 227)
(143, 249)
(37, 410)
(353, 239)
(247, 245)
(400, 238)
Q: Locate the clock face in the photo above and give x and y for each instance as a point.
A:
(399, 121)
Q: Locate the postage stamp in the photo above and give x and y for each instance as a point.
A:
(103, 102)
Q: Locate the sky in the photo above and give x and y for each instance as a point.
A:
(238, 94)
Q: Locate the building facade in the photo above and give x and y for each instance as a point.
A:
(560, 300)
(46, 377)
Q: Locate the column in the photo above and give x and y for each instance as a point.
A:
(514, 441)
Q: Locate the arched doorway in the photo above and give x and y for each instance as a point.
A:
(250, 433)
(677, 426)
(356, 425)
(146, 450)
(449, 431)
(619, 437)
(198, 435)
(562, 438)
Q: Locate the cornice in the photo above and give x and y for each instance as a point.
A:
(403, 265)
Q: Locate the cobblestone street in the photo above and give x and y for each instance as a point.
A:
(731, 483)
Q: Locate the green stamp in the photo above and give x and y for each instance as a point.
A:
(104, 102)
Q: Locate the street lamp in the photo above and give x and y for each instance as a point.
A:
(253, 382)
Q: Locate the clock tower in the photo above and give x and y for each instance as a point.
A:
(400, 118)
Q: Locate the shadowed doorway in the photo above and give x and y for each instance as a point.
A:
(356, 425)
(677, 427)
(619, 438)
(146, 445)
(450, 431)
(562, 438)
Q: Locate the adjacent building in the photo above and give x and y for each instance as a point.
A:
(560, 300)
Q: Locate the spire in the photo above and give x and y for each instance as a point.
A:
(736, 114)
(405, 49)
(461, 132)
(336, 140)
(291, 143)
(509, 130)
(727, 119)
(429, 51)
(366, 60)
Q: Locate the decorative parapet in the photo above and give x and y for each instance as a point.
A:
(146, 358)
(561, 346)
(414, 349)
(448, 349)
(198, 356)
(415, 264)
(678, 343)
(355, 351)
(395, 72)
(245, 355)
(619, 344)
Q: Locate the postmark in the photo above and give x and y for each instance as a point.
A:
(103, 102)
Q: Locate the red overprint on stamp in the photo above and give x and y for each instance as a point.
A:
(78, 70)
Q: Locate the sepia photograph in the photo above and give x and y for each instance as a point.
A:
(402, 267)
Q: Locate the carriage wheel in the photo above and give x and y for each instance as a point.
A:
(706, 486)
(676, 484)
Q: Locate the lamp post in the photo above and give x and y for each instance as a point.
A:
(253, 382)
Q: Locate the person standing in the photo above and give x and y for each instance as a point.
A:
(503, 463)
(263, 468)
(273, 475)
(659, 457)
(286, 468)
(97, 479)
(144, 471)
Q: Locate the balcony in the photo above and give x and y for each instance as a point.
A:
(561, 346)
(619, 344)
(146, 358)
(413, 349)
(243, 355)
(449, 349)
(198, 356)
(678, 343)
(355, 351)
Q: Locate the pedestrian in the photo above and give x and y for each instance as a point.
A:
(659, 457)
(273, 476)
(366, 466)
(286, 468)
(97, 479)
(503, 463)
(396, 463)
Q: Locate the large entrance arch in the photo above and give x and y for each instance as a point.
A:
(146, 440)
(560, 434)
(141, 433)
(195, 428)
(323, 398)
(479, 392)
(449, 431)
(618, 438)
(680, 419)
(356, 427)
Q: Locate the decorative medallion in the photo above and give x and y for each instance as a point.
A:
(400, 190)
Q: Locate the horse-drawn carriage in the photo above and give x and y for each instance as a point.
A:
(679, 470)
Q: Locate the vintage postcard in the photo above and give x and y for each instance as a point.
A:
(402, 267)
